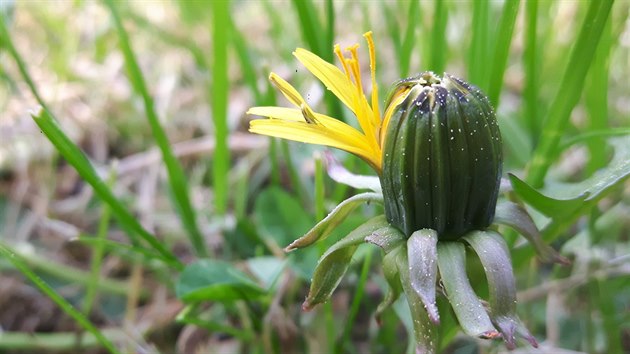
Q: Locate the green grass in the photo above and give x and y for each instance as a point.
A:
(140, 78)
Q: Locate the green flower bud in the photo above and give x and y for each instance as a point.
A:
(442, 157)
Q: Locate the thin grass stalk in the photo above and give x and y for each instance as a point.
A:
(69, 274)
(248, 68)
(310, 27)
(7, 43)
(320, 213)
(64, 342)
(97, 254)
(169, 38)
(358, 296)
(82, 165)
(330, 27)
(569, 91)
(596, 100)
(48, 124)
(219, 97)
(479, 44)
(502, 49)
(438, 49)
(21, 266)
(409, 38)
(176, 177)
(530, 66)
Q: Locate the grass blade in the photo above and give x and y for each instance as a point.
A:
(97, 259)
(596, 100)
(570, 89)
(7, 43)
(176, 177)
(311, 28)
(247, 65)
(219, 96)
(58, 299)
(77, 159)
(409, 39)
(530, 67)
(81, 164)
(479, 44)
(439, 48)
(502, 49)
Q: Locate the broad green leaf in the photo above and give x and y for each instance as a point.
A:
(561, 199)
(213, 280)
(325, 227)
(617, 171)
(279, 216)
(549, 206)
(470, 313)
(516, 217)
(333, 264)
(266, 269)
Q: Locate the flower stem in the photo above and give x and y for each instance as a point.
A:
(358, 296)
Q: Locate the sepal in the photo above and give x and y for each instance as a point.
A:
(495, 258)
(425, 331)
(422, 258)
(334, 263)
(325, 227)
(470, 313)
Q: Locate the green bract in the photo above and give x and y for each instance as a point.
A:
(441, 158)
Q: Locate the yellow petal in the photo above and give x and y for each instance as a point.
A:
(287, 90)
(313, 134)
(330, 75)
(395, 101)
(295, 115)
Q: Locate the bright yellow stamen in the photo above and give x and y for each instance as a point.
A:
(375, 108)
(354, 65)
(397, 99)
(342, 59)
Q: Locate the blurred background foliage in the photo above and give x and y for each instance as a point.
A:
(153, 93)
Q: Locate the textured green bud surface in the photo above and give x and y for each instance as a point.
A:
(442, 157)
